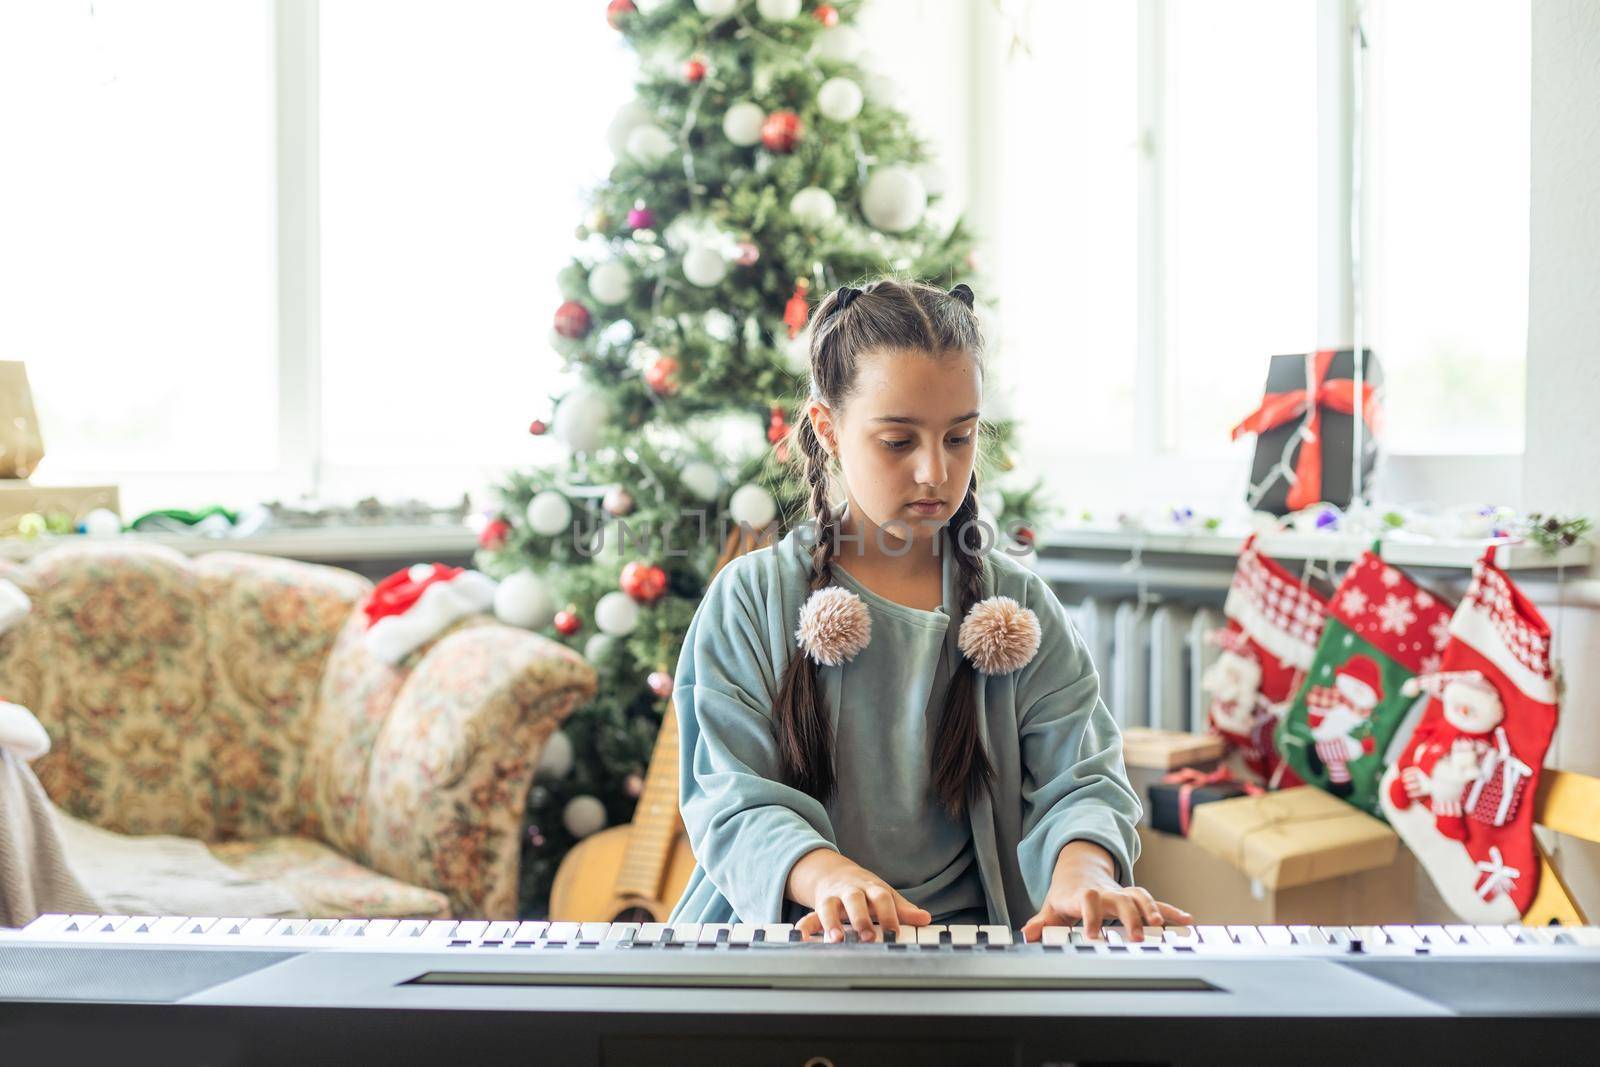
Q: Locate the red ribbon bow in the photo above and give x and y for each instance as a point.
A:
(1188, 779)
(1279, 408)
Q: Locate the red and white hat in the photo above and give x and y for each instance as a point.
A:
(412, 607)
(1358, 682)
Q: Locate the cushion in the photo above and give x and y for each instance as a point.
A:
(325, 883)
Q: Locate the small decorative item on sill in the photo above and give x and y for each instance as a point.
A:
(1174, 798)
(1306, 431)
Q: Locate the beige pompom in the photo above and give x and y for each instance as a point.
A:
(834, 626)
(999, 635)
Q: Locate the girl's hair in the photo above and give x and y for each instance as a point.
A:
(885, 315)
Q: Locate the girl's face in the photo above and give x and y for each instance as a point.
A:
(908, 434)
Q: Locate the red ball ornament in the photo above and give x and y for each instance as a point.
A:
(640, 217)
(538, 428)
(694, 70)
(645, 582)
(494, 534)
(826, 14)
(659, 375)
(798, 309)
(781, 131)
(1024, 535)
(568, 623)
(573, 320)
(777, 426)
(661, 684)
(616, 10)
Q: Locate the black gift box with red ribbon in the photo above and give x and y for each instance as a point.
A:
(1304, 450)
(1173, 799)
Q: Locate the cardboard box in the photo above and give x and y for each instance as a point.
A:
(1178, 871)
(1293, 837)
(21, 446)
(1149, 754)
(18, 498)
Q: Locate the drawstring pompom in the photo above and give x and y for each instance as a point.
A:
(834, 626)
(999, 635)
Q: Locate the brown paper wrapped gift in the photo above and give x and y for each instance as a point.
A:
(19, 498)
(21, 447)
(1293, 837)
(1149, 754)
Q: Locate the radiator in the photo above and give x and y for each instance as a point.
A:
(1150, 657)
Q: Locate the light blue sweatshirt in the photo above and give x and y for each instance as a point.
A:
(1055, 749)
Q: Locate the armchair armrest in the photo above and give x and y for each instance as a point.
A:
(450, 768)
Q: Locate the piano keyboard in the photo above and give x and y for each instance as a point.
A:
(421, 935)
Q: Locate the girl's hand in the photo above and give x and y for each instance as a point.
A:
(838, 892)
(1083, 888)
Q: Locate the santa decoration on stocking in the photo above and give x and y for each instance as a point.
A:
(1340, 717)
(1239, 710)
(1461, 794)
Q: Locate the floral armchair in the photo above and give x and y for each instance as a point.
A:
(230, 698)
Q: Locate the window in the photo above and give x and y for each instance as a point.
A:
(136, 231)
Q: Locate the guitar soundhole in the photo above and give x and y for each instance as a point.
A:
(634, 915)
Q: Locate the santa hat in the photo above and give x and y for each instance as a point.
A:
(1435, 684)
(412, 607)
(1358, 682)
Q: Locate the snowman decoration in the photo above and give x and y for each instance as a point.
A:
(1336, 714)
(1472, 773)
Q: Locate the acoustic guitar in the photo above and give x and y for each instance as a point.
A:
(636, 873)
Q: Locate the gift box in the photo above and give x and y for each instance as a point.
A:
(1150, 755)
(1174, 798)
(21, 447)
(1293, 837)
(18, 498)
(1305, 430)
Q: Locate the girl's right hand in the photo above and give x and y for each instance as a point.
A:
(840, 892)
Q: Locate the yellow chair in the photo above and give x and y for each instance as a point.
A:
(1567, 803)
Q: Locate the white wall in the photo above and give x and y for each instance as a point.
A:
(1561, 467)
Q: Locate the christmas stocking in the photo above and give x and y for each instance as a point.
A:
(1273, 624)
(1461, 793)
(1382, 630)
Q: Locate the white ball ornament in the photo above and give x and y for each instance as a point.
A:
(598, 647)
(753, 506)
(556, 759)
(580, 418)
(813, 206)
(616, 614)
(742, 123)
(702, 479)
(102, 522)
(521, 599)
(583, 816)
(630, 116)
(839, 99)
(841, 44)
(549, 513)
(704, 266)
(649, 143)
(610, 282)
(894, 199)
(778, 10)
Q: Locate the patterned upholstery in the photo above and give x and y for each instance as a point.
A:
(230, 698)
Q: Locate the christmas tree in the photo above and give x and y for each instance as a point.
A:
(753, 173)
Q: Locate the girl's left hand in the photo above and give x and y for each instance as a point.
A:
(1083, 889)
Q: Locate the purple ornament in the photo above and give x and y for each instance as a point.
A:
(641, 218)
(1327, 517)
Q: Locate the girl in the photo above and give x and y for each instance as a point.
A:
(881, 723)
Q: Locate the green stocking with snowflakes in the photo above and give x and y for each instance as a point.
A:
(1382, 629)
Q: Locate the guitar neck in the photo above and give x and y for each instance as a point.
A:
(655, 820)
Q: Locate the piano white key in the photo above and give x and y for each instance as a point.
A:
(256, 928)
(686, 933)
(167, 925)
(1181, 935)
(51, 923)
(650, 933)
(1539, 935)
(1371, 935)
(929, 935)
(1588, 936)
(500, 930)
(1057, 935)
(561, 933)
(1277, 936)
(469, 930)
(282, 928)
(439, 929)
(319, 928)
(108, 924)
(1309, 935)
(1113, 935)
(1338, 935)
(1404, 935)
(1496, 936)
(228, 928)
(964, 935)
(1246, 935)
(622, 931)
(1078, 936)
(1464, 934)
(530, 931)
(197, 925)
(378, 928)
(79, 924)
(593, 933)
(710, 932)
(997, 935)
(413, 928)
(1434, 935)
(1215, 935)
(743, 933)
